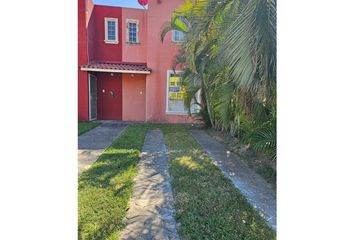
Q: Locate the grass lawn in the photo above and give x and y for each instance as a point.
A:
(106, 187)
(207, 204)
(86, 126)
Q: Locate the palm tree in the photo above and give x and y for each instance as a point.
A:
(193, 53)
(231, 56)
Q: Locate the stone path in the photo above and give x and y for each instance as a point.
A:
(258, 192)
(151, 213)
(95, 141)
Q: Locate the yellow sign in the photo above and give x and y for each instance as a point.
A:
(175, 89)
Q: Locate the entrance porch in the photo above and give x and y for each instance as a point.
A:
(117, 91)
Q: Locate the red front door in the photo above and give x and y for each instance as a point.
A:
(109, 96)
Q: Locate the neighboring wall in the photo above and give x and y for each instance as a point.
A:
(90, 24)
(84, 15)
(160, 58)
(134, 52)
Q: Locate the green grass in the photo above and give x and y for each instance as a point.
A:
(86, 126)
(207, 204)
(106, 187)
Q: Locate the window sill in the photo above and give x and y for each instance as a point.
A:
(133, 43)
(111, 42)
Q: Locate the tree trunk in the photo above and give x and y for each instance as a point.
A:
(207, 103)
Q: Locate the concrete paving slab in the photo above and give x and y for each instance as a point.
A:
(94, 142)
(258, 192)
(151, 209)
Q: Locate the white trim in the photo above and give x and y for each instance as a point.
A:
(106, 30)
(110, 42)
(113, 70)
(127, 30)
(173, 38)
(185, 113)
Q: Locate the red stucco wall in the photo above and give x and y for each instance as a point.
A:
(102, 50)
(82, 59)
(91, 47)
(91, 32)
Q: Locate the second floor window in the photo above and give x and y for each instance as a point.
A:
(132, 31)
(111, 30)
(178, 36)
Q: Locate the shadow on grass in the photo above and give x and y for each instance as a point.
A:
(105, 188)
(109, 167)
(208, 206)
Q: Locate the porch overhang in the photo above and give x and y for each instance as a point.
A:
(117, 67)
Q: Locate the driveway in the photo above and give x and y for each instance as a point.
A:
(151, 208)
(94, 142)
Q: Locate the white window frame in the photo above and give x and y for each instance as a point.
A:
(127, 30)
(106, 30)
(174, 37)
(185, 112)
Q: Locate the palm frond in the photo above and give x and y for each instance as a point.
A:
(230, 55)
(166, 27)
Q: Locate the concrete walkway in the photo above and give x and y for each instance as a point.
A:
(257, 191)
(151, 212)
(95, 141)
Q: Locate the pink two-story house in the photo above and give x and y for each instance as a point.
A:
(124, 70)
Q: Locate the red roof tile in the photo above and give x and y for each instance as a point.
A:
(117, 67)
